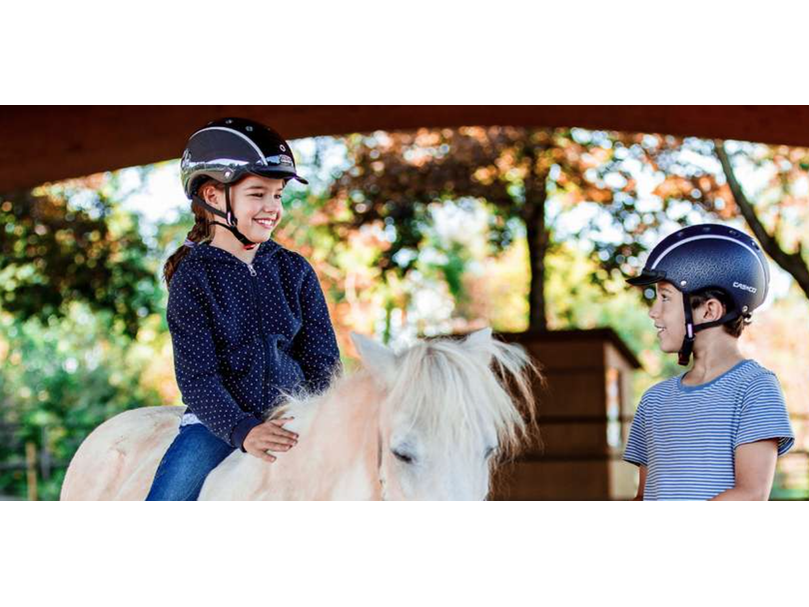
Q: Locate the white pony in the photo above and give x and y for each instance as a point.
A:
(427, 423)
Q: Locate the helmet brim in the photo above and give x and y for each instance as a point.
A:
(646, 278)
(276, 173)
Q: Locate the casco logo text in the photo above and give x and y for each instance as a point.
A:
(739, 285)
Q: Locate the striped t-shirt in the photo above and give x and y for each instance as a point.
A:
(687, 436)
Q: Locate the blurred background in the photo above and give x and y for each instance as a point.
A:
(418, 225)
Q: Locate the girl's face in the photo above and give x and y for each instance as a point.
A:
(256, 203)
(669, 317)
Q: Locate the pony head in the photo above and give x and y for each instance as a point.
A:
(451, 410)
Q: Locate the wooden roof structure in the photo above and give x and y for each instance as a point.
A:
(47, 143)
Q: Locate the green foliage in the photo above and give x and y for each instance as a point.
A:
(77, 286)
(55, 252)
(62, 378)
(393, 178)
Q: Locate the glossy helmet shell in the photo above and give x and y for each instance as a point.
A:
(710, 256)
(228, 149)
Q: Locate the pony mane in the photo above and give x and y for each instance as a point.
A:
(448, 388)
(458, 393)
(304, 405)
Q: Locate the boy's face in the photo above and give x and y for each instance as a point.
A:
(669, 318)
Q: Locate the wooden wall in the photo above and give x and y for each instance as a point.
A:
(575, 462)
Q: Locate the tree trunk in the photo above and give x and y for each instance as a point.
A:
(537, 236)
(537, 246)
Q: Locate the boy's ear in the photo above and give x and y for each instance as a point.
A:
(713, 309)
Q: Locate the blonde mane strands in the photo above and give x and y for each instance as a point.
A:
(449, 390)
(470, 397)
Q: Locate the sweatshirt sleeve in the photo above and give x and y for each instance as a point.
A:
(196, 367)
(315, 345)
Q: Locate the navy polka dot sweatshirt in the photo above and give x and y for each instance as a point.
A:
(242, 332)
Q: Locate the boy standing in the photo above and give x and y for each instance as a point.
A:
(716, 431)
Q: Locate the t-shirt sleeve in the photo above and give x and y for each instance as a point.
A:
(764, 414)
(636, 452)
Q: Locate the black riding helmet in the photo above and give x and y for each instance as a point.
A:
(709, 256)
(228, 149)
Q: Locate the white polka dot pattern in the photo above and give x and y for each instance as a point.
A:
(241, 339)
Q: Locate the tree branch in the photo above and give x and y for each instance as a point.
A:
(791, 262)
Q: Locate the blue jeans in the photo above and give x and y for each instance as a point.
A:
(186, 464)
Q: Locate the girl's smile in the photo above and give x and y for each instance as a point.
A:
(257, 208)
(259, 198)
(268, 222)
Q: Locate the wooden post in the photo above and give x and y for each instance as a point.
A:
(31, 469)
(44, 455)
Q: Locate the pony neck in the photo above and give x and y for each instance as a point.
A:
(337, 455)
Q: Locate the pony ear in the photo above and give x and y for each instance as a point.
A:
(479, 345)
(376, 357)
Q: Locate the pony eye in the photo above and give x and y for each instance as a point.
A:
(490, 451)
(403, 457)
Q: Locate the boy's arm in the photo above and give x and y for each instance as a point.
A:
(641, 484)
(764, 433)
(755, 469)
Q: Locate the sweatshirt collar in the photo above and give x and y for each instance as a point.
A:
(206, 251)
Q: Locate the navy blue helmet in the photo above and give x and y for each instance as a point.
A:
(709, 256)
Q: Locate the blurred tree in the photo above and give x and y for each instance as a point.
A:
(693, 175)
(80, 319)
(61, 378)
(394, 178)
(642, 185)
(69, 242)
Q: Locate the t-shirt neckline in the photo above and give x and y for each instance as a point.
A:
(685, 388)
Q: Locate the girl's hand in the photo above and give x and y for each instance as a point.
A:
(269, 436)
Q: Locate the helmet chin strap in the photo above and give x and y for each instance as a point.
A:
(229, 217)
(688, 342)
(691, 330)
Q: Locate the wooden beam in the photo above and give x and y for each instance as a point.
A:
(48, 143)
